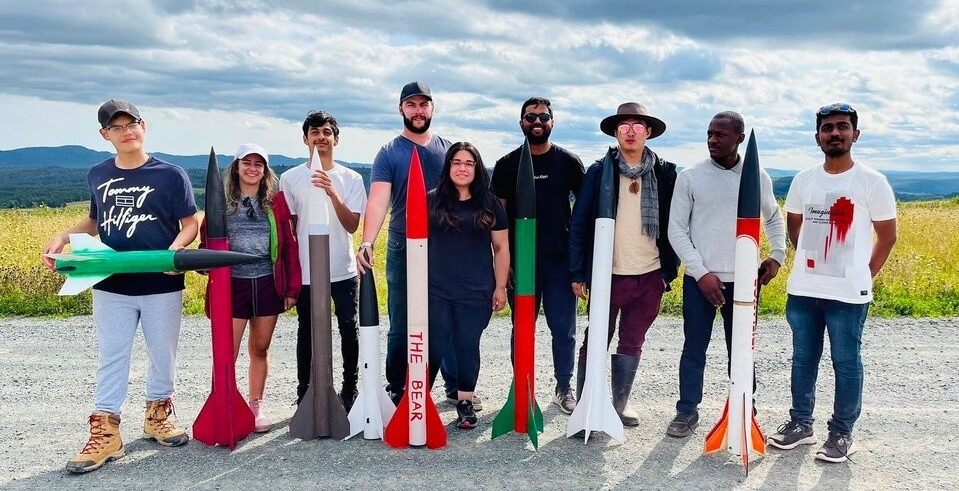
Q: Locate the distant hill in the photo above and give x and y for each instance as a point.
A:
(53, 176)
(77, 156)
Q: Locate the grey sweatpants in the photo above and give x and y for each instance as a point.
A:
(116, 317)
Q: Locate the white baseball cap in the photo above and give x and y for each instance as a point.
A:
(248, 148)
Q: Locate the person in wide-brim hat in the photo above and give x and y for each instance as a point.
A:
(629, 110)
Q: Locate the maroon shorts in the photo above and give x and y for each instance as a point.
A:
(255, 297)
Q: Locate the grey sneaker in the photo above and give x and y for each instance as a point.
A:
(565, 400)
(454, 400)
(683, 424)
(838, 448)
(792, 434)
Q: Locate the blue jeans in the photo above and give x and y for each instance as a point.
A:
(809, 319)
(396, 365)
(555, 292)
(457, 329)
(698, 317)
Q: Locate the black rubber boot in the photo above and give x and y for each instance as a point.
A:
(622, 375)
(580, 377)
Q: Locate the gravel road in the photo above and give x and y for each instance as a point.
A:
(908, 435)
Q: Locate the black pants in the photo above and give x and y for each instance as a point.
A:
(345, 298)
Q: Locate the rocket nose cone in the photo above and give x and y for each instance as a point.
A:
(749, 188)
(525, 187)
(214, 200)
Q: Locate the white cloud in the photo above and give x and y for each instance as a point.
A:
(217, 72)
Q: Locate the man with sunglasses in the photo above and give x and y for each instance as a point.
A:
(137, 203)
(643, 260)
(701, 225)
(832, 212)
(558, 176)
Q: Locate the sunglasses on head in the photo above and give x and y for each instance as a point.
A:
(250, 212)
(839, 107)
(532, 117)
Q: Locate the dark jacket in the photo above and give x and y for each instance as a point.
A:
(582, 223)
(284, 251)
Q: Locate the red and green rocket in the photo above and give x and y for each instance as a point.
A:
(521, 412)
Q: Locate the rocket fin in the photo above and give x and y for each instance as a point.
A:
(503, 422)
(435, 431)
(397, 432)
(78, 283)
(744, 437)
(358, 417)
(205, 427)
(339, 421)
(758, 439)
(86, 243)
(387, 409)
(303, 422)
(534, 421)
(592, 415)
(716, 439)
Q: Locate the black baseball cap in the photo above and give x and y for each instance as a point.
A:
(111, 108)
(415, 88)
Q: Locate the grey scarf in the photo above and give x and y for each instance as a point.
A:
(650, 192)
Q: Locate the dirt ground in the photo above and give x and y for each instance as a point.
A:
(908, 435)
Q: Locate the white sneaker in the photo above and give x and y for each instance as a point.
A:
(261, 424)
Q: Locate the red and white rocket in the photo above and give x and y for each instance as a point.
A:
(737, 430)
(416, 421)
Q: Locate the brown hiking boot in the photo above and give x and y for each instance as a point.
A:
(158, 426)
(103, 446)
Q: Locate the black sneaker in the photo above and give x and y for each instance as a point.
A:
(395, 396)
(454, 400)
(683, 424)
(465, 415)
(348, 397)
(565, 400)
(792, 434)
(838, 448)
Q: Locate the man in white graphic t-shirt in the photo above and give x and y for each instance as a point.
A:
(832, 211)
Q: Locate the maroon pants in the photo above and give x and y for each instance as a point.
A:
(636, 300)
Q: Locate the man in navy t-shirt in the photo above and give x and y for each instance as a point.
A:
(136, 203)
(389, 178)
(558, 174)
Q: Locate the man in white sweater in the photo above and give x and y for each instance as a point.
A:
(702, 227)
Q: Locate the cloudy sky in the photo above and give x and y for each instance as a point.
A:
(223, 72)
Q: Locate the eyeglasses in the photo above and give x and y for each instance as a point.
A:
(469, 164)
(839, 107)
(532, 117)
(636, 127)
(119, 129)
(250, 211)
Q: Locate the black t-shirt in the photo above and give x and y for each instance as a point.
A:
(139, 210)
(558, 174)
(461, 261)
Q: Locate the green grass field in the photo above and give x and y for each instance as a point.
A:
(921, 278)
